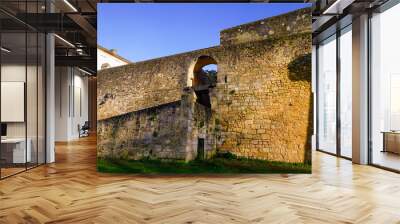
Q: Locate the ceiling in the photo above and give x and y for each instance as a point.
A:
(74, 22)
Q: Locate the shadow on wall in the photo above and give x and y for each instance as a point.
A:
(300, 70)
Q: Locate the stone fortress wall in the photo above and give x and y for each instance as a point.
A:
(261, 106)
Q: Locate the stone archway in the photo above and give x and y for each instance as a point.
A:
(201, 80)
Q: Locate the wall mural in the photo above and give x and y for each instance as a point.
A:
(252, 113)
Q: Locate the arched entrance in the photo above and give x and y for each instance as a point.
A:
(202, 76)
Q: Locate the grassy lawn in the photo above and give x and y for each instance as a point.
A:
(217, 164)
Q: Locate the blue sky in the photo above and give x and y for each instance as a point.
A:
(144, 31)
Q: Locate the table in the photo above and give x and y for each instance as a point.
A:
(13, 150)
(391, 141)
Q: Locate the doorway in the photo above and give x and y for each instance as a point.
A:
(200, 148)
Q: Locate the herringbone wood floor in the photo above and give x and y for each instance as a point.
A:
(71, 191)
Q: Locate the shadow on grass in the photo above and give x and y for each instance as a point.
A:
(217, 165)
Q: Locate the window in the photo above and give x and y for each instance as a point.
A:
(105, 65)
(385, 89)
(327, 95)
(346, 92)
(22, 66)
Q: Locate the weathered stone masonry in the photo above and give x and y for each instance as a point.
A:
(260, 107)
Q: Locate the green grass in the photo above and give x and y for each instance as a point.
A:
(218, 164)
